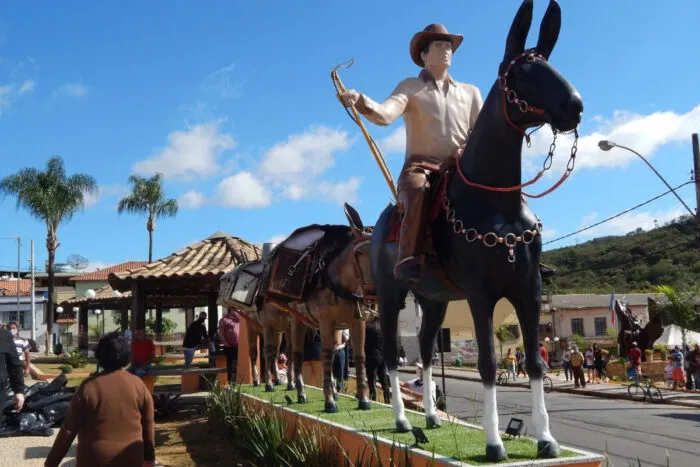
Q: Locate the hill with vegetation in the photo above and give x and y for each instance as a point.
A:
(636, 262)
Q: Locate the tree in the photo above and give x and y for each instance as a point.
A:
(679, 308)
(503, 334)
(54, 198)
(147, 197)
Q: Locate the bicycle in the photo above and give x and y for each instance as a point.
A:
(502, 376)
(639, 393)
(547, 384)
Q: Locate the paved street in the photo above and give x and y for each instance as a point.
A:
(631, 429)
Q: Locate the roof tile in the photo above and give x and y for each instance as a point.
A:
(103, 274)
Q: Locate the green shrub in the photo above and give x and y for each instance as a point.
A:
(66, 369)
(75, 358)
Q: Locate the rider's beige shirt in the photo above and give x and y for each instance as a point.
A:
(437, 123)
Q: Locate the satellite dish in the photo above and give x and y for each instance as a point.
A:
(78, 262)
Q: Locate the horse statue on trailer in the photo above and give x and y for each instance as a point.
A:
(482, 242)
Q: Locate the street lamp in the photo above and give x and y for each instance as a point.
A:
(606, 145)
(90, 293)
(98, 312)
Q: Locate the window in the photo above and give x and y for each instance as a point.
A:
(601, 325)
(577, 326)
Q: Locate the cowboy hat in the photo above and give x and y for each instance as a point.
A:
(430, 33)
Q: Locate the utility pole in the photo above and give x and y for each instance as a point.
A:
(19, 280)
(32, 292)
(696, 174)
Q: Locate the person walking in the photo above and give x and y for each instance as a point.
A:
(111, 413)
(374, 361)
(566, 362)
(520, 361)
(678, 373)
(195, 337)
(590, 366)
(229, 327)
(635, 356)
(511, 362)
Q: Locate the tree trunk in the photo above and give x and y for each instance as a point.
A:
(51, 246)
(151, 227)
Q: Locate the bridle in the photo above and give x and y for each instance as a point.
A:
(510, 96)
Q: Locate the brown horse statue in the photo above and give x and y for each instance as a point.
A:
(631, 330)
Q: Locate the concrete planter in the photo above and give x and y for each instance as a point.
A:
(355, 443)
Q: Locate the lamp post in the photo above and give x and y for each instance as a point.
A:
(606, 145)
(98, 312)
(59, 310)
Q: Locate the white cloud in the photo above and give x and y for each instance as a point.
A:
(76, 90)
(304, 155)
(90, 199)
(222, 83)
(643, 133)
(27, 86)
(243, 190)
(191, 200)
(395, 143)
(277, 239)
(338, 193)
(191, 153)
(548, 233)
(646, 220)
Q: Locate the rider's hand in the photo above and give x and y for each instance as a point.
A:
(19, 402)
(349, 98)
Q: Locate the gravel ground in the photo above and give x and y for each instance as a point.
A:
(30, 451)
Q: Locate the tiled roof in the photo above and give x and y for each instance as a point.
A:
(102, 274)
(10, 287)
(596, 300)
(103, 293)
(213, 256)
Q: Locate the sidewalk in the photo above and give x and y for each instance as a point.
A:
(611, 390)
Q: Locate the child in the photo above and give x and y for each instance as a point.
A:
(668, 373)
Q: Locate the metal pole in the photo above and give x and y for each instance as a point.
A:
(33, 291)
(696, 174)
(442, 361)
(19, 280)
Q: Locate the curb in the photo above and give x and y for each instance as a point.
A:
(565, 390)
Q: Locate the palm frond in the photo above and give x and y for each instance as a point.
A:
(167, 209)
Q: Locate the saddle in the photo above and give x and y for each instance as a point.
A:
(295, 267)
(239, 288)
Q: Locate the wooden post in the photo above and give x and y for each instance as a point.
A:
(244, 373)
(212, 313)
(138, 308)
(124, 310)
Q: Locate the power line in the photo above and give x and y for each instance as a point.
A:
(618, 214)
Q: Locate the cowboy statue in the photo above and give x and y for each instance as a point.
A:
(439, 113)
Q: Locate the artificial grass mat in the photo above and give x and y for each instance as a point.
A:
(451, 439)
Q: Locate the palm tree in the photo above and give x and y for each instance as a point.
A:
(147, 197)
(52, 197)
(679, 309)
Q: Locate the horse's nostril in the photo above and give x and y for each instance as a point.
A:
(573, 106)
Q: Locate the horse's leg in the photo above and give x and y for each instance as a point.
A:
(297, 335)
(527, 308)
(327, 345)
(270, 357)
(357, 334)
(390, 299)
(278, 344)
(433, 316)
(482, 313)
(291, 371)
(253, 351)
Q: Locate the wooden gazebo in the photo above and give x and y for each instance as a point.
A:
(186, 279)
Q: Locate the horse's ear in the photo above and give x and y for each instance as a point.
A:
(515, 43)
(549, 29)
(354, 218)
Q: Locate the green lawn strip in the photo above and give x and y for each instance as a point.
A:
(451, 440)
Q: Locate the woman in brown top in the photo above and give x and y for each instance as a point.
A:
(111, 413)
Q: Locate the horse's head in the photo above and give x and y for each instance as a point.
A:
(535, 93)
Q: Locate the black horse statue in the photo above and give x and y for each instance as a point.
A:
(485, 239)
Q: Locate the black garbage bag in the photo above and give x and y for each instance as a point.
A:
(37, 404)
(25, 423)
(56, 413)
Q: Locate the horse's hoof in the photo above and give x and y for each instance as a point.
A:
(364, 404)
(269, 387)
(256, 383)
(403, 426)
(433, 421)
(330, 407)
(336, 397)
(290, 387)
(278, 382)
(547, 449)
(496, 453)
(301, 399)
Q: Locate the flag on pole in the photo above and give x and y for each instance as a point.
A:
(612, 306)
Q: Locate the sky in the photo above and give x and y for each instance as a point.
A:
(233, 103)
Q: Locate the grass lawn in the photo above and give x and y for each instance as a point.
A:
(452, 439)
